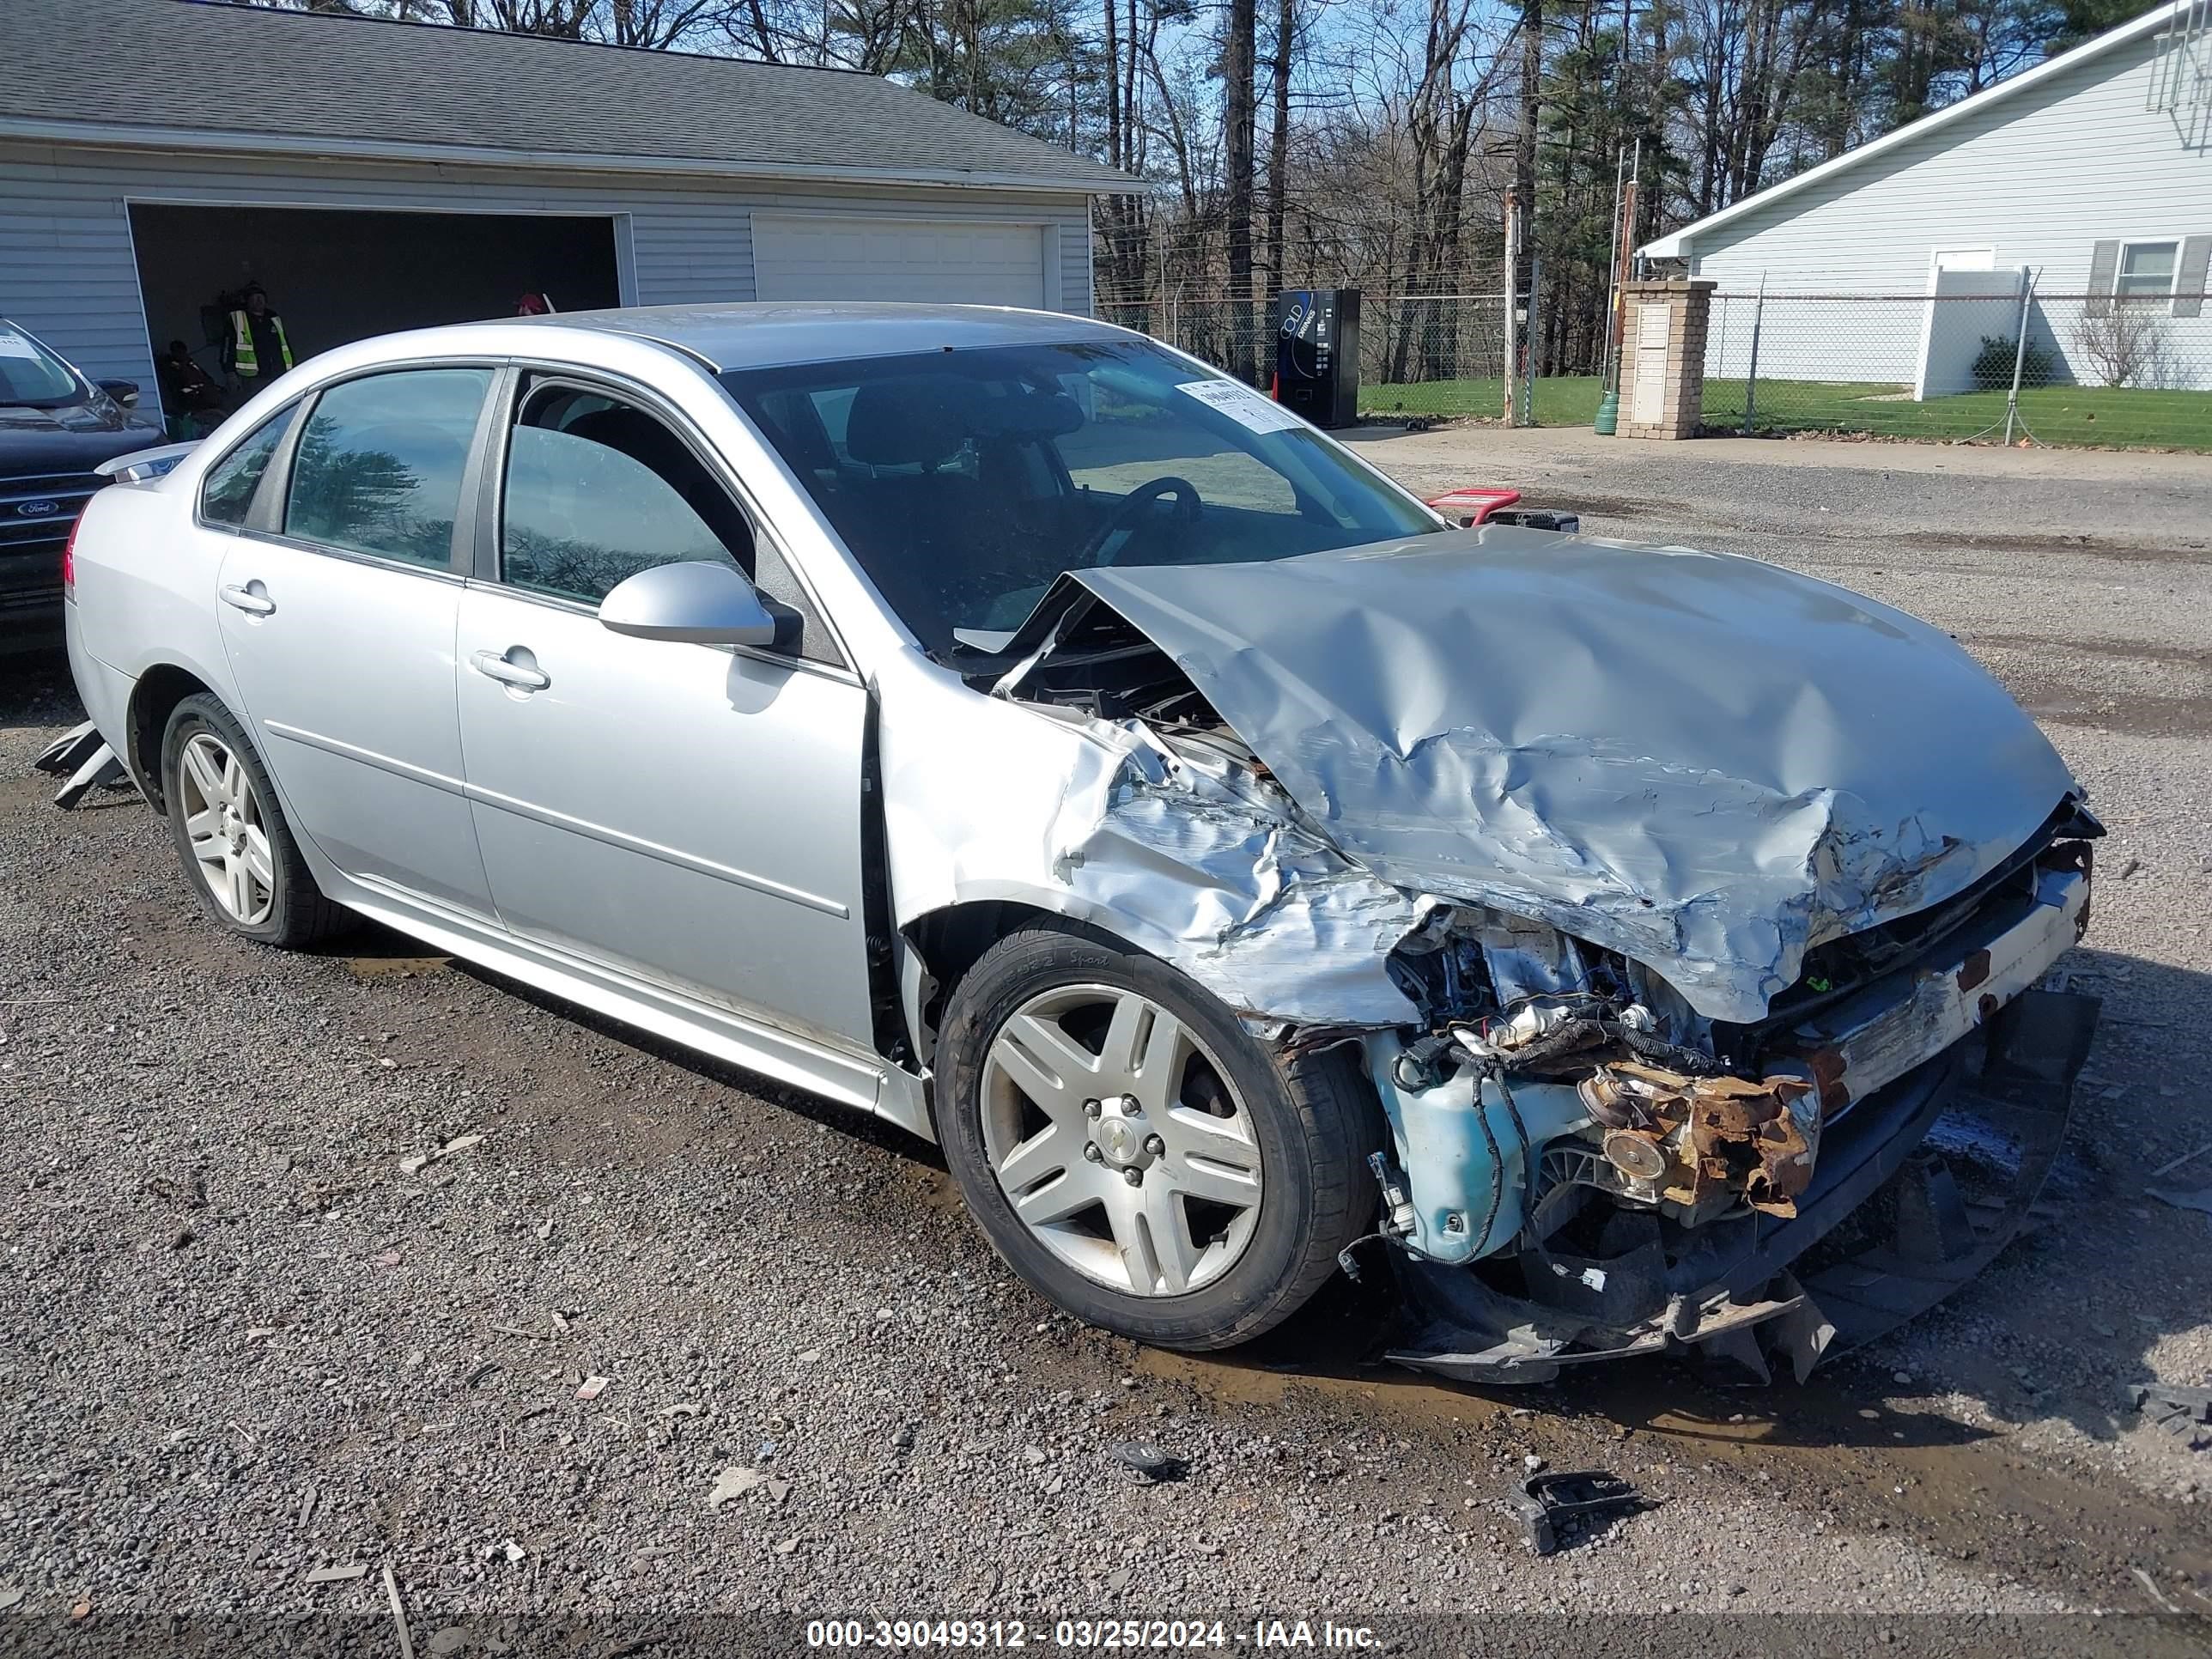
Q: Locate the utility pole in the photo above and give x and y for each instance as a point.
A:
(1512, 302)
(1528, 376)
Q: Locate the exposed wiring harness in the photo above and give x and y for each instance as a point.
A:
(1422, 1063)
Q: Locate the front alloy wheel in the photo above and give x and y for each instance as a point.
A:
(1135, 1152)
(1119, 1142)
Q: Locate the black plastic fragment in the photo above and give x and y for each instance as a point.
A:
(1539, 518)
(2183, 1413)
(1150, 1463)
(1548, 1501)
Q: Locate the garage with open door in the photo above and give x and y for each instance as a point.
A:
(337, 275)
(372, 174)
(828, 257)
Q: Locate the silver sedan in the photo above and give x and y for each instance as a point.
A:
(1001, 723)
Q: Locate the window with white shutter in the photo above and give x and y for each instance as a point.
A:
(2146, 271)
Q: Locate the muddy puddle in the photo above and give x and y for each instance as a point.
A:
(1834, 1450)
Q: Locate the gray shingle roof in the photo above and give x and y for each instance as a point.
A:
(157, 68)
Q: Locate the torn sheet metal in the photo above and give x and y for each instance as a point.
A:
(1869, 1040)
(83, 756)
(1703, 762)
(1274, 919)
(1182, 852)
(1934, 1212)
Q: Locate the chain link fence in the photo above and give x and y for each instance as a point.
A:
(1979, 360)
(1450, 346)
(1235, 336)
(2091, 369)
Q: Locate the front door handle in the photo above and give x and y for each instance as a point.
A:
(521, 676)
(251, 598)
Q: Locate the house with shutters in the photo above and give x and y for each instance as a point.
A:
(2089, 175)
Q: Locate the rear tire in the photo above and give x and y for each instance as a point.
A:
(1135, 1154)
(238, 853)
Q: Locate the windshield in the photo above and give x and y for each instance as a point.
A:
(32, 375)
(964, 481)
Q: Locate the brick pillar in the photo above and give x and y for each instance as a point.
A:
(1662, 357)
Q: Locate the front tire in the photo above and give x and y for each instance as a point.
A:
(1136, 1155)
(238, 852)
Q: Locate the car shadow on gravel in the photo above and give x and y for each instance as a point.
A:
(35, 688)
(375, 945)
(1667, 1397)
(2050, 1280)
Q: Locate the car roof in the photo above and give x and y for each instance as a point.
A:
(773, 334)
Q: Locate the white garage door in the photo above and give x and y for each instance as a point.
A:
(824, 258)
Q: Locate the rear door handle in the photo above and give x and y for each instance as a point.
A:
(523, 678)
(250, 599)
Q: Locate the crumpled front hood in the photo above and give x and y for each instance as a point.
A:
(1703, 762)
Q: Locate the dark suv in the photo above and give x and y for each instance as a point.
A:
(55, 428)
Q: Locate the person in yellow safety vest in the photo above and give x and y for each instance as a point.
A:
(257, 351)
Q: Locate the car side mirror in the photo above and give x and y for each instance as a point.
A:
(123, 392)
(700, 602)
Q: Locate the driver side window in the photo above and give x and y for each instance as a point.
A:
(598, 489)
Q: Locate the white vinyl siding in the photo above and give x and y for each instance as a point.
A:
(67, 271)
(2042, 178)
(841, 257)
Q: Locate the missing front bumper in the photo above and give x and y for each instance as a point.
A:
(1918, 1188)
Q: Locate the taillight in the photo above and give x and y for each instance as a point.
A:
(68, 560)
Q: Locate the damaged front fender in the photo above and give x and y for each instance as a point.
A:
(1185, 852)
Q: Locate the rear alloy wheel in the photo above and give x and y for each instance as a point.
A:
(225, 831)
(1135, 1153)
(237, 850)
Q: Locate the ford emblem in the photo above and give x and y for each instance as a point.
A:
(37, 509)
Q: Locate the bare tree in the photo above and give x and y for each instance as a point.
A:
(1238, 52)
(1403, 123)
(2125, 343)
(1278, 140)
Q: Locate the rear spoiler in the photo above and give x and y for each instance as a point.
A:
(141, 464)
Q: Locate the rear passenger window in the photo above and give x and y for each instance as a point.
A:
(378, 469)
(227, 492)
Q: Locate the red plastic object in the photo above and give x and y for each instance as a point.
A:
(69, 560)
(1472, 507)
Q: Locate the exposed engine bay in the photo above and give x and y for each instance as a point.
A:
(1589, 1157)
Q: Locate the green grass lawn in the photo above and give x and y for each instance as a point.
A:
(2121, 416)
(1571, 400)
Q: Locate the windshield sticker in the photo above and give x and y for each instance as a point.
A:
(13, 344)
(1242, 404)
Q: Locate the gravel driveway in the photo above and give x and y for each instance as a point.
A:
(362, 1259)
